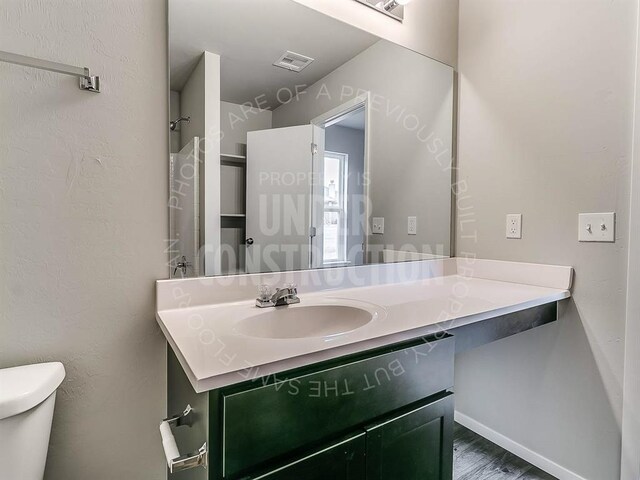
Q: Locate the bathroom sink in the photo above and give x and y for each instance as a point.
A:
(306, 321)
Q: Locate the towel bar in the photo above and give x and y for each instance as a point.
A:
(87, 81)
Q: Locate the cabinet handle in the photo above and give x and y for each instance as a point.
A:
(249, 241)
(175, 461)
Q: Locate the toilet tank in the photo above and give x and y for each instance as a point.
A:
(27, 398)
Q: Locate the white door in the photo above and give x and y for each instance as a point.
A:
(278, 199)
(184, 173)
(317, 198)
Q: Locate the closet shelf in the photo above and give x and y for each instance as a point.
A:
(233, 157)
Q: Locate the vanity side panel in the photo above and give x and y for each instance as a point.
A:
(180, 393)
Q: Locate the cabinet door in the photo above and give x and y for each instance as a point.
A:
(342, 461)
(416, 445)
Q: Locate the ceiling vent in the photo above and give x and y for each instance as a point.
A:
(293, 61)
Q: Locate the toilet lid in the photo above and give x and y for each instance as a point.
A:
(24, 387)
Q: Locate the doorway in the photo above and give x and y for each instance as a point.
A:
(340, 206)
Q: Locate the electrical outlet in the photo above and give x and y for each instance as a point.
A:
(514, 225)
(378, 225)
(412, 225)
(597, 227)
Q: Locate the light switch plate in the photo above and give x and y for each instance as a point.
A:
(378, 225)
(597, 227)
(412, 225)
(514, 225)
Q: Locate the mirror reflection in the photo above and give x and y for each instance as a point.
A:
(298, 141)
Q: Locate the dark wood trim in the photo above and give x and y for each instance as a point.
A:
(487, 331)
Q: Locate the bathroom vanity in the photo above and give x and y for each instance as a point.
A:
(342, 419)
(337, 397)
(307, 151)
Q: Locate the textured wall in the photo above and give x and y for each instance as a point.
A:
(546, 102)
(83, 192)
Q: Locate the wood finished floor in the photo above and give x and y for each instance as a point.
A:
(476, 458)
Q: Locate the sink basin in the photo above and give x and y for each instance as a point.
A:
(305, 321)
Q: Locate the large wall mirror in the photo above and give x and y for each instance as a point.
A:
(298, 141)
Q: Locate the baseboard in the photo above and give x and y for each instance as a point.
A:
(521, 451)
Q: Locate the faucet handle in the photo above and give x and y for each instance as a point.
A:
(264, 296)
(292, 288)
(264, 292)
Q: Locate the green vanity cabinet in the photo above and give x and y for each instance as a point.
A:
(381, 414)
(414, 445)
(342, 460)
(269, 418)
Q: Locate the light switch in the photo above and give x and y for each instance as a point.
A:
(412, 225)
(514, 225)
(597, 227)
(378, 225)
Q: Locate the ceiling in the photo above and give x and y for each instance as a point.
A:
(250, 35)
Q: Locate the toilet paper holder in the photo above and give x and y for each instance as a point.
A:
(176, 461)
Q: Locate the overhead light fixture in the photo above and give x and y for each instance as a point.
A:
(391, 4)
(391, 8)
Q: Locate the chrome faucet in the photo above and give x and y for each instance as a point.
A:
(288, 295)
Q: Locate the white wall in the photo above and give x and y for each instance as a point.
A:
(192, 105)
(200, 100)
(84, 222)
(630, 465)
(236, 120)
(174, 114)
(430, 27)
(546, 101)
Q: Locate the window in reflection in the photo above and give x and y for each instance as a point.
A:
(335, 207)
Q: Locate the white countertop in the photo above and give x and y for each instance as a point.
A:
(214, 354)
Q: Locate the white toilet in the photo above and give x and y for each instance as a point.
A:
(27, 397)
